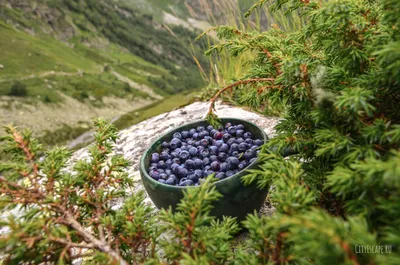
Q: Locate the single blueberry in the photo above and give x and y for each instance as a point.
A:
(198, 173)
(161, 164)
(175, 143)
(213, 132)
(241, 166)
(248, 141)
(193, 151)
(247, 135)
(215, 166)
(219, 143)
(196, 136)
(191, 132)
(209, 139)
(163, 176)
(249, 154)
(239, 140)
(208, 172)
(224, 167)
(218, 135)
(234, 147)
(174, 168)
(231, 141)
(204, 153)
(185, 134)
(184, 155)
(204, 142)
(161, 170)
(198, 163)
(190, 142)
(240, 127)
(230, 173)
(222, 156)
(210, 127)
(164, 156)
(184, 148)
(213, 150)
(220, 175)
(176, 160)
(254, 147)
(227, 125)
(233, 162)
(189, 164)
(168, 172)
(243, 147)
(200, 128)
(226, 137)
(162, 181)
(155, 158)
(204, 134)
(206, 161)
(239, 133)
(165, 145)
(235, 154)
(155, 174)
(193, 178)
(224, 148)
(258, 142)
(171, 181)
(177, 135)
(186, 183)
(182, 172)
(213, 158)
(232, 130)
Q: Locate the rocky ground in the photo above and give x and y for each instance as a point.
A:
(134, 140)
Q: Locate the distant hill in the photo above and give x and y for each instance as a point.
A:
(102, 54)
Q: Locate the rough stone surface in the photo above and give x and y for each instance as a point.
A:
(135, 140)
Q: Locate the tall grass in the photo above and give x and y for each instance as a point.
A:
(223, 67)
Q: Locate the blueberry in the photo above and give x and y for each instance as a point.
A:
(218, 135)
(226, 137)
(155, 158)
(161, 164)
(224, 148)
(175, 143)
(196, 136)
(189, 164)
(177, 135)
(155, 174)
(233, 162)
(208, 172)
(198, 163)
(193, 151)
(213, 158)
(193, 178)
(248, 141)
(204, 134)
(210, 127)
(254, 147)
(164, 156)
(204, 153)
(224, 167)
(168, 172)
(239, 133)
(232, 130)
(243, 147)
(220, 175)
(235, 154)
(249, 154)
(227, 125)
(184, 155)
(190, 142)
(165, 145)
(209, 139)
(163, 176)
(185, 134)
(213, 150)
(162, 181)
(247, 135)
(200, 128)
(200, 148)
(231, 141)
(219, 143)
(198, 173)
(204, 142)
(222, 156)
(239, 140)
(234, 147)
(206, 161)
(186, 183)
(161, 170)
(241, 166)
(153, 164)
(182, 172)
(253, 159)
(240, 127)
(258, 142)
(191, 132)
(215, 166)
(213, 132)
(230, 173)
(182, 180)
(184, 148)
(171, 181)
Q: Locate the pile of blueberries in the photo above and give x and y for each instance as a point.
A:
(195, 154)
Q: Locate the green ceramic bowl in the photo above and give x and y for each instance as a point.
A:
(237, 201)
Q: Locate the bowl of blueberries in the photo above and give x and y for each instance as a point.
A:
(185, 156)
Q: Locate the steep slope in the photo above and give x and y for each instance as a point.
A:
(93, 53)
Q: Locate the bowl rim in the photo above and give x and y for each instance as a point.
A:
(143, 170)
